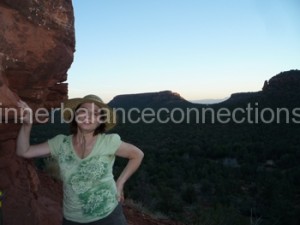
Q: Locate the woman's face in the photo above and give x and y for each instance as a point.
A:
(88, 116)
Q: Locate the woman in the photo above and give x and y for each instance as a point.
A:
(85, 159)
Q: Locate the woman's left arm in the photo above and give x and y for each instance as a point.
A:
(135, 157)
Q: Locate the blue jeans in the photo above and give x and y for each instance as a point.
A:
(115, 218)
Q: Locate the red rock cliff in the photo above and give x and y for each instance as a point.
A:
(37, 44)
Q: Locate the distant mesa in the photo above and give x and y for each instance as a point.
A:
(209, 101)
(289, 80)
(149, 99)
(282, 88)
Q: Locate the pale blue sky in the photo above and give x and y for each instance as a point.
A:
(199, 48)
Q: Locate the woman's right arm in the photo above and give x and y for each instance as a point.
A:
(24, 149)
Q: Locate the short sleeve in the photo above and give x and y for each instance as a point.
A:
(55, 144)
(113, 142)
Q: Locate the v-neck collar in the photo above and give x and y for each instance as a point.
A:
(90, 154)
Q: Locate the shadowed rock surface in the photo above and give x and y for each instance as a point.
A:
(37, 44)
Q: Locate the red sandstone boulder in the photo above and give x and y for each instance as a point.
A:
(37, 44)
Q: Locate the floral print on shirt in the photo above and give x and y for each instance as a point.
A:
(96, 201)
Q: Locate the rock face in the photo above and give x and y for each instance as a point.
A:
(37, 45)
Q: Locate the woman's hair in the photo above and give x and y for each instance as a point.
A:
(99, 130)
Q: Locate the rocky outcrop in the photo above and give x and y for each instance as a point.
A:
(282, 89)
(135, 216)
(284, 81)
(37, 44)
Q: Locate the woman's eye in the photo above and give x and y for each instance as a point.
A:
(80, 112)
(97, 112)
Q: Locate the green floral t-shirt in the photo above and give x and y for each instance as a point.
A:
(89, 187)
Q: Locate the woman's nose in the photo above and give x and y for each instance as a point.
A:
(89, 117)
